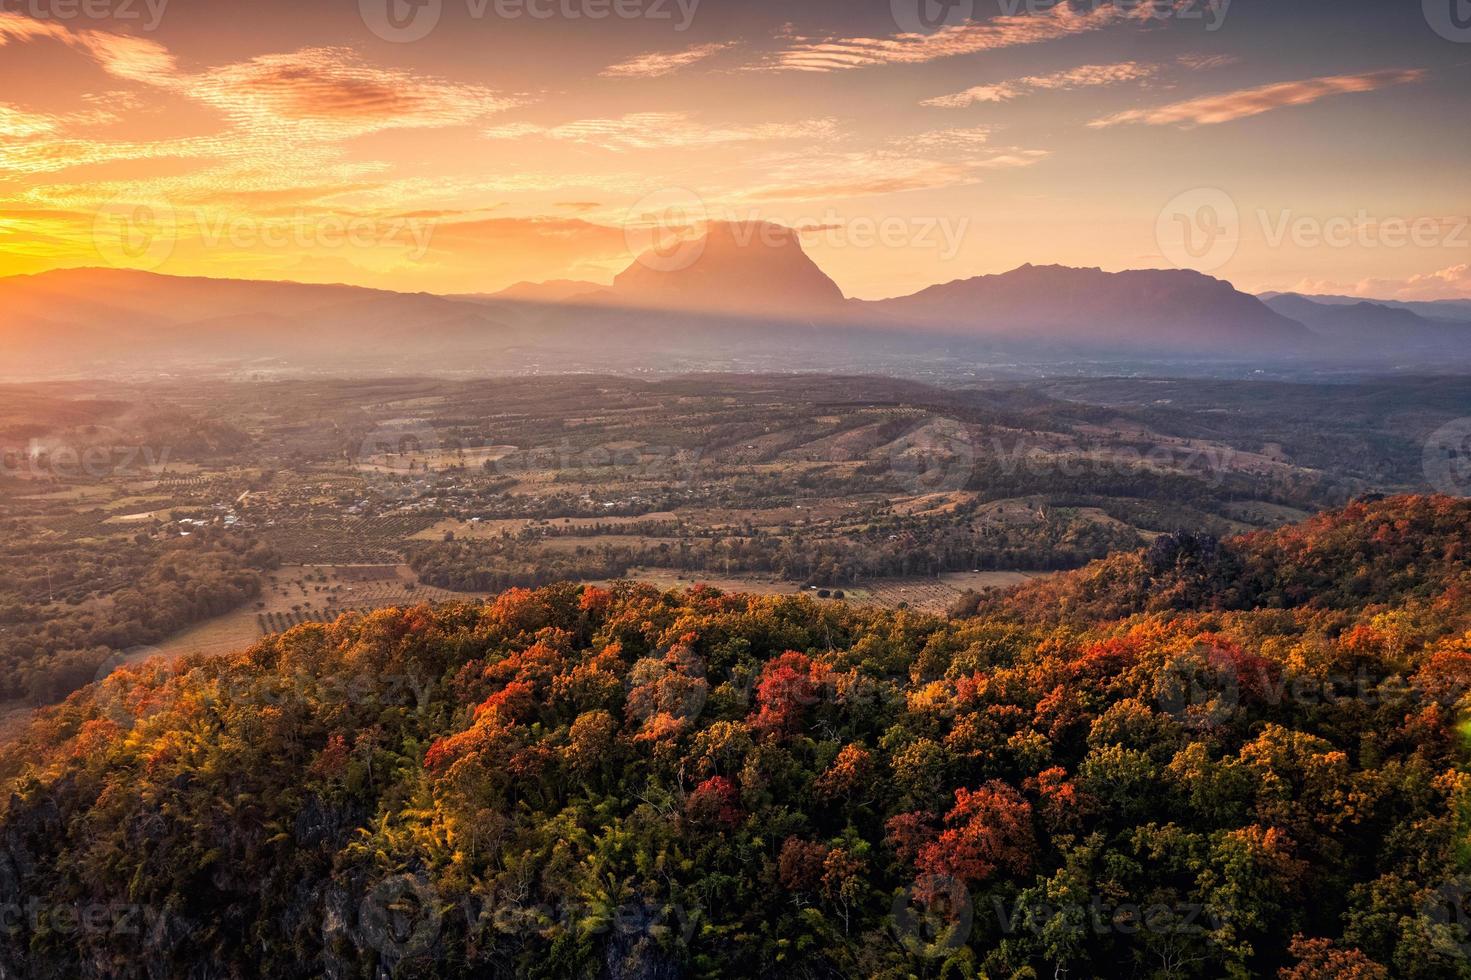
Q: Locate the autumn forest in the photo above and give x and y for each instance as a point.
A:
(1210, 757)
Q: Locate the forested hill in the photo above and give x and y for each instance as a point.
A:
(1384, 551)
(578, 782)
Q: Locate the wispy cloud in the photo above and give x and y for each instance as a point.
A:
(277, 156)
(658, 63)
(16, 124)
(1206, 62)
(1011, 158)
(822, 176)
(338, 96)
(938, 139)
(1453, 282)
(327, 88)
(1084, 76)
(1006, 31)
(971, 147)
(662, 130)
(1212, 109)
(14, 27)
(287, 115)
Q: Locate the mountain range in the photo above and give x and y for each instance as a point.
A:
(742, 295)
(1454, 310)
(1370, 323)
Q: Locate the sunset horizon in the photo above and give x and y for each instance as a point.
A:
(452, 157)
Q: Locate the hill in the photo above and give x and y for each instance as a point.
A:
(628, 783)
(1378, 553)
(1379, 328)
(1451, 310)
(552, 291)
(85, 319)
(1138, 310)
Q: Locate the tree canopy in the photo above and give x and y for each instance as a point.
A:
(1238, 758)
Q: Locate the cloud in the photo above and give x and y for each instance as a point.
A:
(945, 139)
(972, 147)
(662, 130)
(332, 94)
(277, 155)
(1453, 282)
(816, 176)
(14, 27)
(1007, 31)
(36, 143)
(287, 116)
(1212, 109)
(131, 58)
(663, 63)
(327, 93)
(1084, 76)
(17, 124)
(328, 88)
(1011, 158)
(1206, 62)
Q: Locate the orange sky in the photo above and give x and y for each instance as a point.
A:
(463, 145)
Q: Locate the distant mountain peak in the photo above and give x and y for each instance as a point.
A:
(551, 291)
(744, 268)
(1369, 325)
(1146, 309)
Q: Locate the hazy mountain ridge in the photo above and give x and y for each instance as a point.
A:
(1455, 310)
(1172, 309)
(1370, 322)
(79, 316)
(551, 291)
(745, 294)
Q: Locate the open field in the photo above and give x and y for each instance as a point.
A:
(298, 594)
(301, 594)
(478, 528)
(409, 463)
(935, 595)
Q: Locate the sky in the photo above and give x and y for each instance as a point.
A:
(461, 146)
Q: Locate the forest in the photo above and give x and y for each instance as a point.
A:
(1236, 757)
(68, 608)
(883, 547)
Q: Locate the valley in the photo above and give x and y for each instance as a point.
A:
(258, 506)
